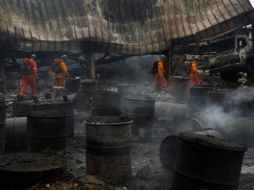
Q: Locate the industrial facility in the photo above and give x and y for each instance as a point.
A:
(126, 95)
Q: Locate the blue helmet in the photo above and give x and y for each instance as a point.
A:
(196, 57)
(163, 57)
(64, 56)
(33, 56)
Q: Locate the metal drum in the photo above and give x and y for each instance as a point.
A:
(73, 84)
(126, 89)
(2, 124)
(205, 162)
(141, 110)
(21, 171)
(169, 147)
(15, 132)
(21, 109)
(108, 148)
(180, 87)
(82, 101)
(106, 103)
(193, 123)
(199, 97)
(46, 129)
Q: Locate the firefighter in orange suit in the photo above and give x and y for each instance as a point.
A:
(194, 71)
(159, 75)
(61, 73)
(29, 77)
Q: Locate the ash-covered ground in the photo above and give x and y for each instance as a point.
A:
(148, 173)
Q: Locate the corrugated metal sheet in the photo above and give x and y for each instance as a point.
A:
(121, 26)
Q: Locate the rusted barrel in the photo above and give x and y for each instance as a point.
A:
(15, 131)
(199, 97)
(194, 123)
(88, 86)
(106, 103)
(170, 110)
(73, 84)
(21, 109)
(205, 162)
(169, 147)
(23, 170)
(180, 87)
(46, 129)
(2, 124)
(217, 97)
(82, 101)
(108, 148)
(126, 89)
(236, 129)
(141, 110)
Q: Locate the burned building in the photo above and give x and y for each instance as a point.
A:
(107, 130)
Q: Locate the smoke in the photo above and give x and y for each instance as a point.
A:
(241, 95)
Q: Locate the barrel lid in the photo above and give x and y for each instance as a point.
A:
(28, 162)
(47, 114)
(210, 141)
(108, 120)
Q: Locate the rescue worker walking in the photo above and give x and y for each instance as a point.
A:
(61, 73)
(194, 70)
(29, 77)
(159, 72)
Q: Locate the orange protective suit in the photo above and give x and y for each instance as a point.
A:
(159, 77)
(60, 77)
(29, 77)
(194, 72)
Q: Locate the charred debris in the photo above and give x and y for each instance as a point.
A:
(126, 95)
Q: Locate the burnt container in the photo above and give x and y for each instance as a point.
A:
(73, 84)
(46, 129)
(141, 110)
(169, 146)
(2, 124)
(126, 89)
(205, 162)
(108, 148)
(199, 97)
(180, 87)
(15, 131)
(21, 171)
(21, 109)
(106, 103)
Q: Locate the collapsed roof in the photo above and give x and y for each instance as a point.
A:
(115, 26)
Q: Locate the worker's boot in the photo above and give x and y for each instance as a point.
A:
(35, 99)
(20, 97)
(48, 95)
(65, 98)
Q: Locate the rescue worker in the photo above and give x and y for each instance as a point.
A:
(61, 73)
(159, 74)
(194, 71)
(29, 77)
